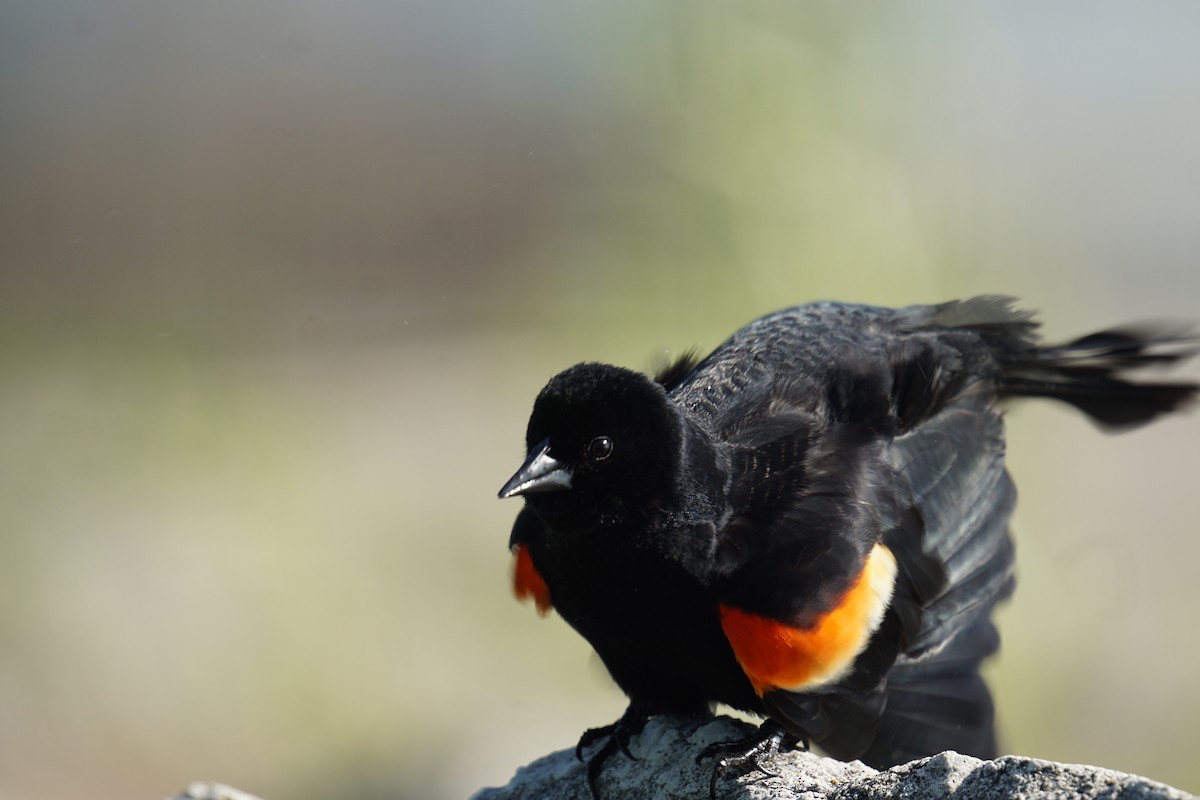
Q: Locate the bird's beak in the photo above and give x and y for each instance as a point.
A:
(539, 473)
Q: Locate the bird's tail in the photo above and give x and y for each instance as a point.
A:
(1091, 372)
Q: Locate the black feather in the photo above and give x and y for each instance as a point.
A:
(671, 374)
(1086, 372)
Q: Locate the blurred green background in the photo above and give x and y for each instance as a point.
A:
(279, 281)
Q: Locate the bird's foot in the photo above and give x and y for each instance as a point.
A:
(746, 755)
(615, 738)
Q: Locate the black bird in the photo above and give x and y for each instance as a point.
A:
(811, 523)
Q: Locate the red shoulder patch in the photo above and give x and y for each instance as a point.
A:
(775, 655)
(527, 581)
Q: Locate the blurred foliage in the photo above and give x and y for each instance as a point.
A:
(279, 281)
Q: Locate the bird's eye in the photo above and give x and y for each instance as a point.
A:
(600, 448)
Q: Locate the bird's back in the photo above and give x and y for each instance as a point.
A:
(811, 356)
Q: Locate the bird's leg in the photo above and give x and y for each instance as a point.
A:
(615, 737)
(630, 724)
(747, 754)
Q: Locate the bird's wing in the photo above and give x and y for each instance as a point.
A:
(955, 565)
(876, 541)
(805, 576)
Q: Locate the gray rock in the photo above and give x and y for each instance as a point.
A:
(665, 768)
(201, 790)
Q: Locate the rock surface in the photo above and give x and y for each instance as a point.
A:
(665, 768)
(201, 790)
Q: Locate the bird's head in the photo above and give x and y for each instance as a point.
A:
(603, 447)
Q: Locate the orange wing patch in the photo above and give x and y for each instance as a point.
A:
(528, 583)
(775, 655)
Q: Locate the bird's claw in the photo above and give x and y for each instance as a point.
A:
(616, 738)
(746, 755)
(591, 736)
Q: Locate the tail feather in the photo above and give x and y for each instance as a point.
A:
(1112, 403)
(1088, 372)
(1130, 347)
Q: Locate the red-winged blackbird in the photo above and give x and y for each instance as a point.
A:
(810, 524)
